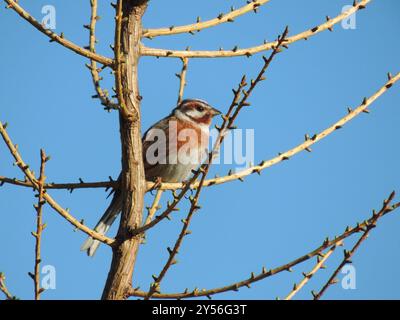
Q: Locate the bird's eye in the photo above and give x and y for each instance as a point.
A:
(199, 108)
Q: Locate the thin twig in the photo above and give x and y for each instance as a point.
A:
(182, 79)
(235, 52)
(386, 207)
(39, 226)
(31, 177)
(200, 25)
(94, 70)
(3, 287)
(60, 186)
(307, 276)
(58, 38)
(360, 227)
(154, 207)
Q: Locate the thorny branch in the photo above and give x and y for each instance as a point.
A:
(200, 25)
(154, 207)
(360, 227)
(307, 276)
(94, 70)
(32, 179)
(182, 79)
(386, 207)
(39, 226)
(57, 38)
(118, 62)
(60, 186)
(240, 100)
(3, 288)
(235, 52)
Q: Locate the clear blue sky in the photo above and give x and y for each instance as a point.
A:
(268, 220)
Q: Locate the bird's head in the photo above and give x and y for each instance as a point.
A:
(196, 110)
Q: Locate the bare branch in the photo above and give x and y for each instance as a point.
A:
(328, 25)
(39, 226)
(360, 227)
(386, 207)
(118, 63)
(154, 207)
(182, 79)
(58, 38)
(59, 186)
(94, 70)
(30, 176)
(307, 277)
(191, 28)
(3, 287)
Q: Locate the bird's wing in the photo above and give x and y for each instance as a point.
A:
(158, 136)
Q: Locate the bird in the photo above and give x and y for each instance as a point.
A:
(172, 148)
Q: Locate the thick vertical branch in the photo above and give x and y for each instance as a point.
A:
(133, 181)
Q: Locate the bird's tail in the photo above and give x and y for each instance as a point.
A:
(115, 207)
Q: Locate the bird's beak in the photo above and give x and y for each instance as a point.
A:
(215, 112)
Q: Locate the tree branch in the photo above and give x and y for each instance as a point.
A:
(58, 38)
(59, 186)
(118, 62)
(39, 226)
(386, 207)
(128, 33)
(154, 207)
(3, 288)
(34, 183)
(328, 25)
(307, 276)
(191, 28)
(360, 227)
(182, 79)
(94, 70)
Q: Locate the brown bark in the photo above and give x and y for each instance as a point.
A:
(133, 185)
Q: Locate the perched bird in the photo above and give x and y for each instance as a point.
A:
(172, 148)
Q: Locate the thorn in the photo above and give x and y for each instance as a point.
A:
(314, 294)
(364, 102)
